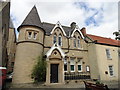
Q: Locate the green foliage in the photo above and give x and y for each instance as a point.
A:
(39, 70)
(99, 83)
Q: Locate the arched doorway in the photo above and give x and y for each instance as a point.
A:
(55, 66)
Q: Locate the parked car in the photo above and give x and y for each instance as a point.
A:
(3, 71)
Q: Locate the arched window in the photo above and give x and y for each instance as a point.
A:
(35, 35)
(55, 38)
(74, 42)
(29, 34)
(78, 42)
(60, 40)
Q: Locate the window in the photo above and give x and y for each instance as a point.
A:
(72, 64)
(29, 35)
(79, 65)
(87, 68)
(60, 40)
(72, 67)
(111, 70)
(35, 35)
(78, 42)
(75, 42)
(54, 39)
(108, 54)
(65, 65)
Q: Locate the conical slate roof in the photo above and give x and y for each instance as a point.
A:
(32, 19)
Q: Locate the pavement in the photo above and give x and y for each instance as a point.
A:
(78, 85)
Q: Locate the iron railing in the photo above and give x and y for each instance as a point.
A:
(76, 75)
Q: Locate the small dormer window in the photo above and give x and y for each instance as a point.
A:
(29, 35)
(35, 36)
(60, 40)
(54, 39)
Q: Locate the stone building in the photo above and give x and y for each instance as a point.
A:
(4, 31)
(11, 47)
(70, 53)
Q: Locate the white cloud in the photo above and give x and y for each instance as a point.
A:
(109, 21)
(66, 12)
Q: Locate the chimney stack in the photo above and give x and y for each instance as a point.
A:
(83, 30)
(73, 25)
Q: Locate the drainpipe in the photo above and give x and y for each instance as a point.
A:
(68, 45)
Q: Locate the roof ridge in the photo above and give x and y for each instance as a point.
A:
(101, 36)
(54, 24)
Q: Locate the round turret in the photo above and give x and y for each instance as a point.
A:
(29, 47)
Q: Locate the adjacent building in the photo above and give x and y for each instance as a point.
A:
(104, 58)
(11, 47)
(70, 53)
(4, 31)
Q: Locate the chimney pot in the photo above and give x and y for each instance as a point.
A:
(73, 25)
(83, 30)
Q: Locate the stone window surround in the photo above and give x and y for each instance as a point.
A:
(57, 39)
(60, 40)
(77, 42)
(72, 62)
(79, 62)
(32, 34)
(75, 64)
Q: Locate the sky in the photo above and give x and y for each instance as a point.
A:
(100, 17)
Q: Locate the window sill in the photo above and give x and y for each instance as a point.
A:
(112, 76)
(72, 71)
(65, 71)
(80, 48)
(80, 71)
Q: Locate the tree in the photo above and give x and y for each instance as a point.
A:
(39, 70)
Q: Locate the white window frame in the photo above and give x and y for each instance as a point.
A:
(87, 68)
(79, 63)
(72, 62)
(108, 54)
(111, 70)
(60, 40)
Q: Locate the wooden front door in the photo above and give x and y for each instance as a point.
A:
(54, 73)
